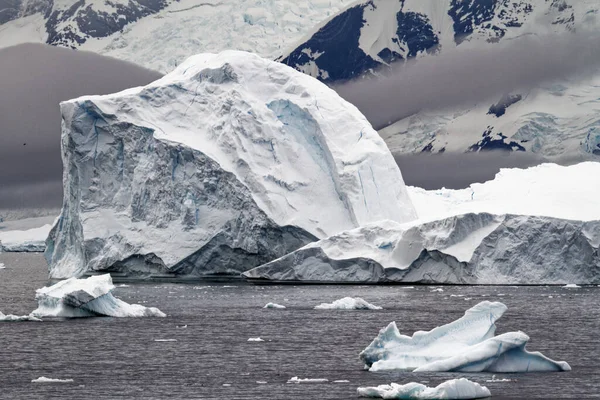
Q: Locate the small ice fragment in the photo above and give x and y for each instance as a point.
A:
(2, 266)
(453, 389)
(18, 318)
(227, 384)
(457, 295)
(273, 305)
(165, 340)
(341, 381)
(43, 379)
(572, 286)
(181, 326)
(467, 298)
(295, 379)
(438, 290)
(123, 285)
(348, 303)
(498, 380)
(408, 287)
(261, 382)
(255, 339)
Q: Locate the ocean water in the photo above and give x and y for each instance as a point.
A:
(209, 356)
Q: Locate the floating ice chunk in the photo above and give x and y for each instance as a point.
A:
(43, 379)
(273, 305)
(572, 286)
(2, 266)
(89, 297)
(181, 326)
(255, 339)
(262, 382)
(438, 290)
(165, 340)
(341, 381)
(498, 380)
(465, 345)
(453, 389)
(17, 318)
(348, 303)
(295, 379)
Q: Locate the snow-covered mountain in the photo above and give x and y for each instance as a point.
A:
(160, 34)
(368, 34)
(557, 119)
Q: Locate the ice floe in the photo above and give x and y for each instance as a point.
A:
(455, 389)
(348, 303)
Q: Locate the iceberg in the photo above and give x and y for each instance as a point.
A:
(461, 249)
(468, 344)
(273, 305)
(43, 379)
(91, 297)
(348, 303)
(30, 240)
(226, 163)
(455, 389)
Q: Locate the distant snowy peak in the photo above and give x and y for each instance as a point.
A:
(161, 34)
(369, 34)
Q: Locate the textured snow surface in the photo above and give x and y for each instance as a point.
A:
(89, 297)
(468, 344)
(17, 318)
(453, 389)
(30, 240)
(556, 240)
(227, 163)
(164, 33)
(348, 303)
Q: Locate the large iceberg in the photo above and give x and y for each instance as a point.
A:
(91, 297)
(540, 225)
(225, 164)
(29, 240)
(454, 389)
(468, 344)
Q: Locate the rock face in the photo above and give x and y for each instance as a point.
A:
(227, 163)
(464, 249)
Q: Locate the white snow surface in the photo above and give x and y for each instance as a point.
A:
(43, 379)
(454, 389)
(547, 190)
(88, 297)
(30, 240)
(348, 303)
(468, 344)
(296, 154)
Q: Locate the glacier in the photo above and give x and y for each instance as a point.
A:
(533, 226)
(454, 389)
(215, 169)
(468, 344)
(89, 297)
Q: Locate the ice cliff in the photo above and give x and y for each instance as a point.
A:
(534, 226)
(468, 344)
(225, 164)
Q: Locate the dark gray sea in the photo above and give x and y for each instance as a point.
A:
(209, 356)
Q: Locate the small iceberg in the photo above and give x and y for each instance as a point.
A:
(89, 297)
(572, 286)
(273, 305)
(468, 344)
(43, 379)
(295, 379)
(455, 389)
(17, 318)
(2, 266)
(348, 303)
(494, 380)
(255, 339)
